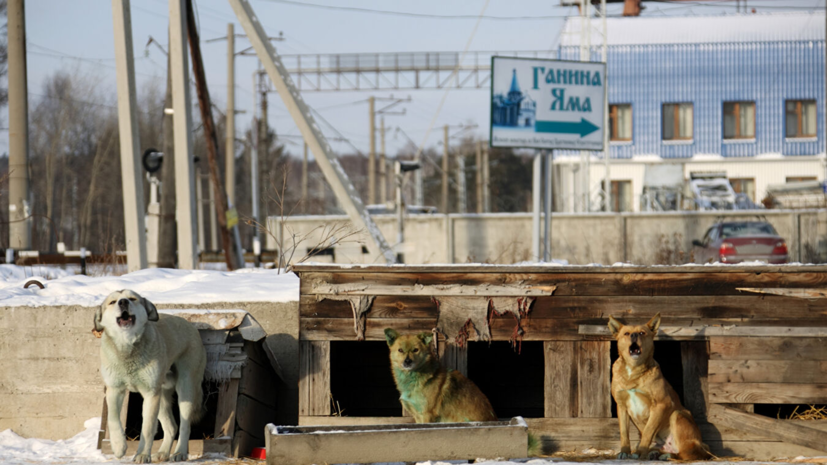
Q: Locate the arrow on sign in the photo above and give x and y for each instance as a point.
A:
(583, 128)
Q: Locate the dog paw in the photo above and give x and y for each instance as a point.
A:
(118, 448)
(653, 455)
(160, 457)
(634, 456)
(624, 456)
(665, 457)
(179, 457)
(142, 458)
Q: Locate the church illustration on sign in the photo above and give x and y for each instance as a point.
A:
(515, 109)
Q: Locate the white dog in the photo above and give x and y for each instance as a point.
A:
(155, 356)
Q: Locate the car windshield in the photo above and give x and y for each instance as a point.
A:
(747, 229)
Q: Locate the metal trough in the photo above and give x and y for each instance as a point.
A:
(303, 445)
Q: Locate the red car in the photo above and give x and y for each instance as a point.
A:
(741, 241)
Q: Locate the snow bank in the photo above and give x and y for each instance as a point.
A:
(160, 285)
(17, 273)
(16, 450)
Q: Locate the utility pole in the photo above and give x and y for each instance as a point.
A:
(263, 149)
(166, 228)
(462, 190)
(199, 211)
(383, 167)
(131, 169)
(445, 171)
(607, 181)
(585, 55)
(479, 176)
(213, 220)
(232, 250)
(181, 105)
(20, 227)
(304, 179)
(229, 151)
(372, 152)
(486, 181)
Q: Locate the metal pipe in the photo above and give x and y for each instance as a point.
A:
(607, 182)
(549, 156)
(536, 198)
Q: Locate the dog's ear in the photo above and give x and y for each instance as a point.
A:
(391, 335)
(151, 311)
(97, 320)
(654, 324)
(426, 338)
(614, 326)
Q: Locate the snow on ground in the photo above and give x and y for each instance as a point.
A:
(16, 273)
(160, 285)
(80, 450)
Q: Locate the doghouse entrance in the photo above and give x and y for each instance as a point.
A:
(202, 430)
(512, 381)
(361, 382)
(668, 356)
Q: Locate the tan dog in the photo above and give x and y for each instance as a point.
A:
(644, 395)
(155, 355)
(429, 392)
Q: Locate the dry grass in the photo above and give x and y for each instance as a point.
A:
(812, 413)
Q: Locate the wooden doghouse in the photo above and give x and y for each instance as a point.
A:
(736, 342)
(240, 385)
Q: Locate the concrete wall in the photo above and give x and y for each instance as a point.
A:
(639, 238)
(50, 380)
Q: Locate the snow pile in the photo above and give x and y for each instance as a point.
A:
(80, 448)
(160, 285)
(17, 273)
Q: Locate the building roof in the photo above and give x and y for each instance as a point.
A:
(731, 28)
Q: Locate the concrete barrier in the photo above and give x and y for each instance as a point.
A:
(505, 238)
(50, 378)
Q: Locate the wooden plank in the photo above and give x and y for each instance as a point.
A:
(453, 357)
(803, 293)
(694, 360)
(431, 290)
(213, 336)
(383, 307)
(589, 281)
(314, 377)
(768, 371)
(561, 399)
(259, 382)
(594, 379)
(302, 269)
(244, 442)
(225, 414)
(767, 393)
(702, 332)
(699, 306)
(793, 433)
(768, 348)
(253, 416)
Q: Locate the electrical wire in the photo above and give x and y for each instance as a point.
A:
(417, 15)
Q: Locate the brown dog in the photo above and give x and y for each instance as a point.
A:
(642, 394)
(429, 392)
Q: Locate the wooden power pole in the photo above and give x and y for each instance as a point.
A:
(231, 250)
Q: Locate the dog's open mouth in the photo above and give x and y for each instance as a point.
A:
(634, 350)
(126, 320)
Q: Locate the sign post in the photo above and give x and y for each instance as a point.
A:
(546, 105)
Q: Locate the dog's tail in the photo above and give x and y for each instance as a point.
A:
(199, 402)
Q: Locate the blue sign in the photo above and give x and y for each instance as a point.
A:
(547, 104)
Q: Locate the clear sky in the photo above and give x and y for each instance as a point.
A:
(77, 35)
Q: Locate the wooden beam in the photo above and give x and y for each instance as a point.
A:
(560, 379)
(702, 332)
(767, 393)
(482, 290)
(314, 377)
(744, 348)
(226, 412)
(594, 379)
(768, 371)
(802, 293)
(694, 360)
(782, 430)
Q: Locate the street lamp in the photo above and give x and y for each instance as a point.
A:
(400, 168)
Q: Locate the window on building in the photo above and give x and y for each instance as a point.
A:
(621, 196)
(744, 186)
(800, 178)
(739, 120)
(677, 121)
(620, 122)
(800, 118)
